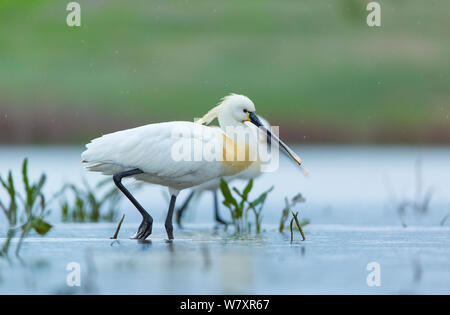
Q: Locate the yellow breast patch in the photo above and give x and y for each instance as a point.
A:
(236, 156)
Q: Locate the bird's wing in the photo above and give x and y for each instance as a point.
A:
(150, 148)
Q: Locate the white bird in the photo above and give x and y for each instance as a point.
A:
(149, 153)
(252, 172)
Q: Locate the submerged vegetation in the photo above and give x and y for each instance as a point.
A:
(87, 206)
(298, 225)
(26, 211)
(289, 204)
(116, 234)
(239, 209)
(419, 203)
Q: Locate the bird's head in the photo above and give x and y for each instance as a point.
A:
(236, 110)
(233, 110)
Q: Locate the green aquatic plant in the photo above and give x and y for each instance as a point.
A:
(116, 234)
(298, 225)
(87, 206)
(418, 203)
(239, 210)
(10, 212)
(26, 211)
(287, 209)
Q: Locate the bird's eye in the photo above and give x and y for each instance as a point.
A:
(245, 110)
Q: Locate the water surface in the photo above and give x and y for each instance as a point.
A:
(354, 222)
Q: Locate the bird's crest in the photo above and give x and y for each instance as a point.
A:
(214, 112)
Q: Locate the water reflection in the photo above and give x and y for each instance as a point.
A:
(145, 244)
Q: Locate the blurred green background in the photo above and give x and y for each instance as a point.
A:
(313, 67)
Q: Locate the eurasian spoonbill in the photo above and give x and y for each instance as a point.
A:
(146, 153)
(212, 186)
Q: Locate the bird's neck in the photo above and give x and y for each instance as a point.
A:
(231, 126)
(238, 132)
(226, 121)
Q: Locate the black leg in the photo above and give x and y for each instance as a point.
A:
(145, 229)
(216, 210)
(180, 211)
(168, 225)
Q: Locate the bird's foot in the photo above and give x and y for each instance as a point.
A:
(145, 229)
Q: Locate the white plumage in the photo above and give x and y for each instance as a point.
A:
(147, 153)
(149, 149)
(252, 172)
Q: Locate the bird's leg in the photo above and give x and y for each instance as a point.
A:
(180, 211)
(217, 216)
(168, 224)
(145, 229)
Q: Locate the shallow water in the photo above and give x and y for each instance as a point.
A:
(201, 260)
(353, 223)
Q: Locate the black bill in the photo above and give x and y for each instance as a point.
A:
(288, 151)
